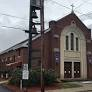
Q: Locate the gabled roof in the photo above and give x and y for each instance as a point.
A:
(19, 45)
(22, 44)
(63, 22)
(67, 20)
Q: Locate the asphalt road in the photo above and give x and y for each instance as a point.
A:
(4, 89)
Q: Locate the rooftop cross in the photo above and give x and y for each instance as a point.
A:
(72, 8)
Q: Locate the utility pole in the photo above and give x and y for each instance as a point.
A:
(42, 45)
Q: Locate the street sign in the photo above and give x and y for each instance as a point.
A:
(25, 66)
(25, 74)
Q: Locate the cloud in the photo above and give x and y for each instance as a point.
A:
(11, 37)
(20, 8)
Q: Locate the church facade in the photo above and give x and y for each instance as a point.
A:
(72, 47)
(67, 49)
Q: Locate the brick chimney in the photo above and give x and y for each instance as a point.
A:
(52, 23)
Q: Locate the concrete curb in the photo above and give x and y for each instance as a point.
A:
(2, 82)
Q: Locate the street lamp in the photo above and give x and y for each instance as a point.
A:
(42, 45)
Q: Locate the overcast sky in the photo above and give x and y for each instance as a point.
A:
(54, 10)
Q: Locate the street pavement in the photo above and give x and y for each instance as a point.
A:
(86, 86)
(4, 89)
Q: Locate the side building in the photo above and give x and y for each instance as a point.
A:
(67, 50)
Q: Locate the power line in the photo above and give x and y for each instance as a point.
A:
(67, 7)
(63, 6)
(12, 27)
(60, 4)
(55, 3)
(12, 16)
(52, 1)
(15, 28)
(17, 17)
(88, 15)
(79, 6)
(27, 19)
(84, 2)
(87, 2)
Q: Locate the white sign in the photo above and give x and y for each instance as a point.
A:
(25, 74)
(25, 67)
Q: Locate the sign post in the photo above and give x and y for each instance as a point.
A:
(25, 72)
(25, 75)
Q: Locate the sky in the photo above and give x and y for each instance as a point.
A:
(15, 13)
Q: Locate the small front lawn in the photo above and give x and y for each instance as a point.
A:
(68, 85)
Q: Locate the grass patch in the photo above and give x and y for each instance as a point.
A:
(68, 85)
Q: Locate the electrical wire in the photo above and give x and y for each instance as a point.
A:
(81, 4)
(64, 6)
(12, 27)
(87, 2)
(88, 15)
(46, 21)
(12, 16)
(60, 4)
(69, 8)
(53, 2)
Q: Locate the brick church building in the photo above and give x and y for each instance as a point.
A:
(67, 50)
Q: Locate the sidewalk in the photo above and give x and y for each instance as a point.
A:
(4, 81)
(84, 88)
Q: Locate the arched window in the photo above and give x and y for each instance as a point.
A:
(72, 41)
(77, 44)
(67, 43)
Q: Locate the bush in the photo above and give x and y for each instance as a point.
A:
(16, 77)
(34, 77)
(49, 77)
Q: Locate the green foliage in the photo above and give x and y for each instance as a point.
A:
(49, 77)
(34, 77)
(16, 77)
